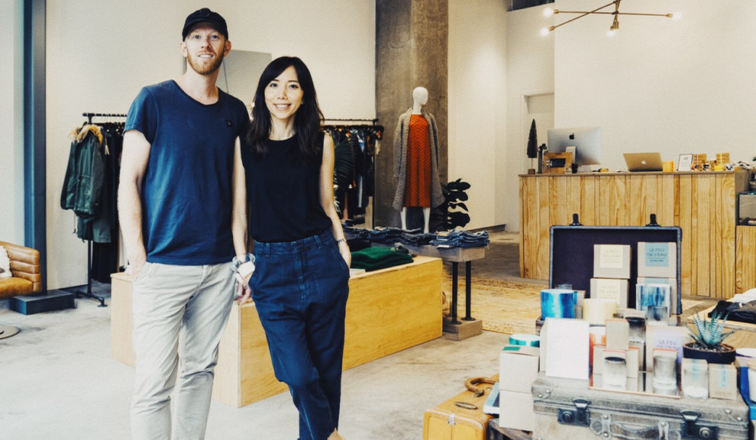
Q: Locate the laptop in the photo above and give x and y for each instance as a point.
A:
(643, 161)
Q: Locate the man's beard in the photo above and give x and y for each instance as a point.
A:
(208, 70)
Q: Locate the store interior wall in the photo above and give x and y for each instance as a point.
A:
(530, 83)
(659, 85)
(477, 105)
(674, 87)
(99, 54)
(11, 125)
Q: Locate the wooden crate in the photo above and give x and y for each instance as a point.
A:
(388, 310)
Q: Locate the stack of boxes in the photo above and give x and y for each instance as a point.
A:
(657, 271)
(517, 371)
(610, 282)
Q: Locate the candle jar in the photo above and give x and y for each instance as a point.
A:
(665, 371)
(695, 378)
(615, 373)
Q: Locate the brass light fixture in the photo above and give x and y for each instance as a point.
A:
(548, 12)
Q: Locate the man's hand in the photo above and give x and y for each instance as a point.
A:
(137, 264)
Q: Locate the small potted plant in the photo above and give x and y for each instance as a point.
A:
(708, 339)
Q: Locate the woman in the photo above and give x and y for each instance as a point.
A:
(284, 172)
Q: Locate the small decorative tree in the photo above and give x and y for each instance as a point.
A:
(532, 146)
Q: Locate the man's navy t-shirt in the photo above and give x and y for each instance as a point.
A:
(186, 190)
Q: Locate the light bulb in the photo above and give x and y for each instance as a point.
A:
(676, 16)
(544, 31)
(611, 33)
(548, 12)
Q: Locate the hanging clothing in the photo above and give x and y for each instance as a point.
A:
(84, 182)
(401, 147)
(418, 183)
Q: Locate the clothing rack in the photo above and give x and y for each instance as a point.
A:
(89, 116)
(373, 121)
(88, 292)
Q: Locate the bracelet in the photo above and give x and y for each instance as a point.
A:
(341, 240)
(236, 262)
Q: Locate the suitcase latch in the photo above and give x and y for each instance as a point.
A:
(579, 416)
(694, 430)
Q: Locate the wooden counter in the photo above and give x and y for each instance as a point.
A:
(388, 310)
(703, 204)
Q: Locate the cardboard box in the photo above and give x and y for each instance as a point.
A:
(516, 410)
(614, 289)
(567, 348)
(612, 261)
(657, 259)
(597, 359)
(723, 381)
(641, 347)
(671, 282)
(518, 368)
(633, 364)
(617, 334)
(665, 337)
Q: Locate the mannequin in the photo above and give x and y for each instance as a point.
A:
(416, 160)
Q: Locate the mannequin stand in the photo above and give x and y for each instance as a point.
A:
(426, 219)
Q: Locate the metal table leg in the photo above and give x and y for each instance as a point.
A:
(455, 279)
(468, 292)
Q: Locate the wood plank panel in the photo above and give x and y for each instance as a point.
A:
(726, 235)
(588, 204)
(685, 203)
(544, 225)
(745, 263)
(703, 189)
(702, 204)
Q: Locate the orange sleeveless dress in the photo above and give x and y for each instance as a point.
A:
(417, 191)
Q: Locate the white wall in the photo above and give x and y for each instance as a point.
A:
(477, 104)
(100, 54)
(11, 124)
(675, 87)
(530, 73)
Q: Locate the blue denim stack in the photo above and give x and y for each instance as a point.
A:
(461, 239)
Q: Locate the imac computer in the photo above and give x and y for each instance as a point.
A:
(586, 140)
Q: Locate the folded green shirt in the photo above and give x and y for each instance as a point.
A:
(379, 257)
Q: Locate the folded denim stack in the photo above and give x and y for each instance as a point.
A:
(385, 235)
(355, 233)
(461, 239)
(416, 239)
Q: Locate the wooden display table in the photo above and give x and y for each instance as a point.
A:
(701, 203)
(388, 310)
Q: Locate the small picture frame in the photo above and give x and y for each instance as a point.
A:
(685, 162)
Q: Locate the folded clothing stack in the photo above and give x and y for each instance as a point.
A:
(419, 239)
(385, 235)
(461, 239)
(375, 258)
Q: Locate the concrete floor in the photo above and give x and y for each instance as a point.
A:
(58, 382)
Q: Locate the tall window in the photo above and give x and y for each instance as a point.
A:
(514, 5)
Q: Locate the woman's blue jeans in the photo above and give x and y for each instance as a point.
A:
(300, 291)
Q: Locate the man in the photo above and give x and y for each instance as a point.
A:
(175, 202)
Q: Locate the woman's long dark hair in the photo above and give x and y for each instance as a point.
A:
(306, 120)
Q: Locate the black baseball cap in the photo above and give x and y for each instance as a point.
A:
(205, 15)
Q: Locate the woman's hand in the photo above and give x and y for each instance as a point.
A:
(243, 291)
(346, 254)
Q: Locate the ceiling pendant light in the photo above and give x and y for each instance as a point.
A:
(548, 12)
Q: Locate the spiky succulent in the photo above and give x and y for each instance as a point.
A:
(709, 333)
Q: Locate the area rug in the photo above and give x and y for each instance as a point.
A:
(513, 307)
(504, 306)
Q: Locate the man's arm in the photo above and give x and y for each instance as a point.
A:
(134, 159)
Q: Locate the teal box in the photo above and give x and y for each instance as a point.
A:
(657, 259)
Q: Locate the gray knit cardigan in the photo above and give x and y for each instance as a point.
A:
(401, 140)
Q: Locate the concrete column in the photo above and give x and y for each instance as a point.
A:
(411, 51)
